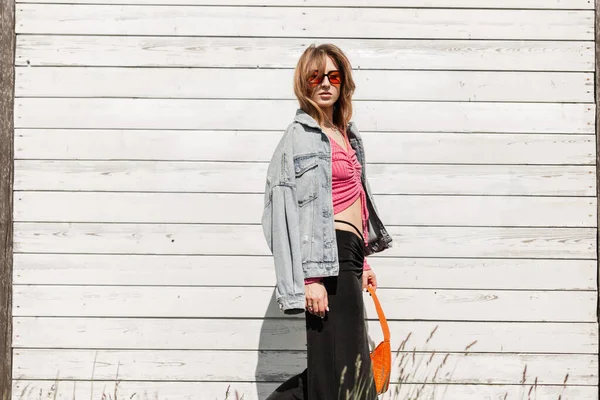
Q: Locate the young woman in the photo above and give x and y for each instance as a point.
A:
(320, 222)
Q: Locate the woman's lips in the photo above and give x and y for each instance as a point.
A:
(325, 95)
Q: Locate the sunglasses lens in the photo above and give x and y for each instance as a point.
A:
(335, 78)
(314, 78)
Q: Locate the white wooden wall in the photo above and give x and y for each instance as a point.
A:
(142, 138)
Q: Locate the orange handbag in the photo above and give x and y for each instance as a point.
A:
(381, 356)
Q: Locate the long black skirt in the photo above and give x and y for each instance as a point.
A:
(338, 361)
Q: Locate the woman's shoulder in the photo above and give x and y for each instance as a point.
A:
(299, 135)
(289, 137)
(287, 141)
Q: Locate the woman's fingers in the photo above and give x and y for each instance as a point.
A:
(365, 280)
(318, 307)
(373, 280)
(322, 307)
(316, 299)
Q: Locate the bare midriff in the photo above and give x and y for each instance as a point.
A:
(352, 214)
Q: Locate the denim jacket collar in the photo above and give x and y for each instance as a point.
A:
(305, 119)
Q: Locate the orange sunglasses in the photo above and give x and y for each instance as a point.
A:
(335, 78)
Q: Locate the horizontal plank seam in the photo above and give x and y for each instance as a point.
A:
(78, 161)
(388, 39)
(175, 4)
(291, 98)
(378, 194)
(283, 318)
(265, 255)
(451, 352)
(386, 288)
(26, 70)
(404, 288)
(19, 66)
(275, 382)
(233, 224)
(135, 317)
(50, 128)
(280, 131)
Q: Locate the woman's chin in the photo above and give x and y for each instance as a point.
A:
(325, 104)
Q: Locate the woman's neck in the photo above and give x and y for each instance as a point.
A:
(329, 114)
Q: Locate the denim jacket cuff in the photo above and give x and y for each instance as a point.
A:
(292, 304)
(308, 281)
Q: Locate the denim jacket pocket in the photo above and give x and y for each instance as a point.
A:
(305, 169)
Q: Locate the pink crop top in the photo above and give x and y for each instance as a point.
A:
(346, 185)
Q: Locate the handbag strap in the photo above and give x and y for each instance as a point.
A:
(384, 324)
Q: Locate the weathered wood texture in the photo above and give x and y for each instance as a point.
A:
(394, 272)
(386, 179)
(266, 84)
(370, 115)
(597, 100)
(349, 22)
(251, 302)
(218, 52)
(7, 76)
(496, 4)
(289, 334)
(269, 366)
(238, 208)
(139, 124)
(208, 239)
(547, 150)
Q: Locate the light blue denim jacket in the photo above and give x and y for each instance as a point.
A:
(298, 209)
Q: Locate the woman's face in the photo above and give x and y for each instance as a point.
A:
(326, 92)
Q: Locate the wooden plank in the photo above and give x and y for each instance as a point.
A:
(205, 52)
(266, 84)
(221, 208)
(391, 23)
(259, 302)
(209, 177)
(270, 366)
(83, 269)
(370, 115)
(66, 390)
(193, 239)
(290, 334)
(256, 146)
(7, 82)
(597, 119)
(511, 4)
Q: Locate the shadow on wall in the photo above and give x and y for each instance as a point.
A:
(282, 349)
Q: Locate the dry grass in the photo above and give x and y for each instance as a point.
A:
(411, 364)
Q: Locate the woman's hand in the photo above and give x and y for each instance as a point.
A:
(316, 299)
(369, 279)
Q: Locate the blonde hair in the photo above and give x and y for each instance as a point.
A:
(315, 58)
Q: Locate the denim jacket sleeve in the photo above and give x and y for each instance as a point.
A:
(280, 220)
